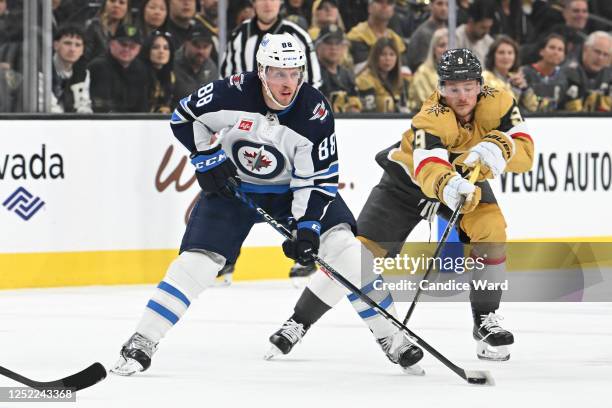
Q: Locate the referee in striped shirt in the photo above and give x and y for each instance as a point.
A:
(244, 41)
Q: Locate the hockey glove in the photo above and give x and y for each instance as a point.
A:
(213, 170)
(305, 244)
(495, 150)
(458, 187)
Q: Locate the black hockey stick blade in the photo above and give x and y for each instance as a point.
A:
(477, 377)
(83, 379)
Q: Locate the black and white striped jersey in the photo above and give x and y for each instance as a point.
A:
(244, 42)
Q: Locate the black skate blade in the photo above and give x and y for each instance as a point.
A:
(86, 378)
(476, 377)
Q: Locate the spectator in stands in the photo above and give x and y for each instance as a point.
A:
(208, 18)
(181, 18)
(546, 77)
(474, 34)
(101, 28)
(576, 16)
(338, 82)
(502, 72)
(10, 89)
(244, 41)
(158, 54)
(193, 65)
(420, 41)
(243, 11)
(365, 34)
(70, 77)
(509, 19)
(425, 80)
(298, 12)
(120, 80)
(152, 15)
(381, 86)
(324, 13)
(590, 82)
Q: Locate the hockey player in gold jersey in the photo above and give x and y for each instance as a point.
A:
(462, 124)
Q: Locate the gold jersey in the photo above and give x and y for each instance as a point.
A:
(436, 136)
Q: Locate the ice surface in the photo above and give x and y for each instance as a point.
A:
(213, 356)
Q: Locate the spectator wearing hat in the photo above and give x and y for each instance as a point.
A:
(338, 82)
(324, 13)
(158, 54)
(365, 34)
(208, 18)
(421, 38)
(119, 80)
(193, 65)
(101, 28)
(70, 78)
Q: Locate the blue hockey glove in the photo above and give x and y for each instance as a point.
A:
(305, 244)
(213, 170)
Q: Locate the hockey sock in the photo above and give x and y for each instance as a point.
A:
(187, 276)
(309, 308)
(344, 252)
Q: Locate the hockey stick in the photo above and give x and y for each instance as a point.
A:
(451, 224)
(471, 376)
(83, 379)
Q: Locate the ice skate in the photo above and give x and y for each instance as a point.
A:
(401, 351)
(492, 339)
(136, 355)
(285, 338)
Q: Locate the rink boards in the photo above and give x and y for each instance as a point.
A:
(89, 202)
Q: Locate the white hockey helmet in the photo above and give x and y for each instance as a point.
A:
(280, 51)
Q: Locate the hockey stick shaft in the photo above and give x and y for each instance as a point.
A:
(449, 227)
(471, 377)
(83, 379)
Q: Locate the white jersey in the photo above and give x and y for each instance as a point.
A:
(274, 151)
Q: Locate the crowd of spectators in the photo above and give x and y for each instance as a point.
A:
(364, 55)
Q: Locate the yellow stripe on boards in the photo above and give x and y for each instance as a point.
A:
(52, 269)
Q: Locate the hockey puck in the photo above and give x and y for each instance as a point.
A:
(477, 381)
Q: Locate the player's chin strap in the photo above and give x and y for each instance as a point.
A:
(261, 72)
(471, 376)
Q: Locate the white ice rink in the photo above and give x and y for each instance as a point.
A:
(213, 357)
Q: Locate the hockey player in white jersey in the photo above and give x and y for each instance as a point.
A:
(273, 135)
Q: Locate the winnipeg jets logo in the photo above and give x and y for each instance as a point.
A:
(237, 81)
(256, 160)
(320, 112)
(488, 91)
